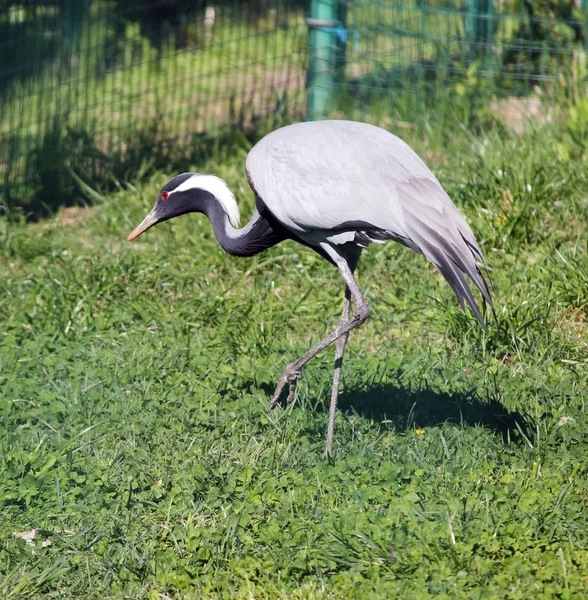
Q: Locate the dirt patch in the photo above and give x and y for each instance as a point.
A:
(76, 215)
(516, 113)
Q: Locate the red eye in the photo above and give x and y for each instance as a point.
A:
(164, 195)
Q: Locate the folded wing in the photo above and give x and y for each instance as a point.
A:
(342, 181)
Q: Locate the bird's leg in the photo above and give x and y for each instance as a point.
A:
(361, 313)
(340, 349)
(291, 375)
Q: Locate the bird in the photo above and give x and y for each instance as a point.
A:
(334, 186)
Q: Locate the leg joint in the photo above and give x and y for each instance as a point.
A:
(362, 311)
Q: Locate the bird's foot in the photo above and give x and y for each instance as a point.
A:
(290, 377)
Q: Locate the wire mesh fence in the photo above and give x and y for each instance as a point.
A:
(406, 54)
(91, 88)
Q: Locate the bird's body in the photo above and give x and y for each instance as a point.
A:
(335, 186)
(347, 182)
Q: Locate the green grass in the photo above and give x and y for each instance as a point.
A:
(134, 382)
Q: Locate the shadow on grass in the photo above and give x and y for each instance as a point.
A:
(66, 167)
(402, 408)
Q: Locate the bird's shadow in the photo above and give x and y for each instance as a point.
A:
(402, 408)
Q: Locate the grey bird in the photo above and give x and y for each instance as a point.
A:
(336, 187)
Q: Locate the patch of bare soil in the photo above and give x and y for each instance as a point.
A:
(76, 215)
(517, 113)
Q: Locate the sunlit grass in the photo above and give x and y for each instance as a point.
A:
(134, 382)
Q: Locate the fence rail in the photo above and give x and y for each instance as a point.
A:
(94, 87)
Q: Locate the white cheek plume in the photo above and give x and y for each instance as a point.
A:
(219, 189)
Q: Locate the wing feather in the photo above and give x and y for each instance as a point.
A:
(324, 180)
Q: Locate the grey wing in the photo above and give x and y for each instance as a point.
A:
(448, 243)
(343, 181)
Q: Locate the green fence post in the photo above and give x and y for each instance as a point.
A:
(478, 26)
(340, 57)
(325, 55)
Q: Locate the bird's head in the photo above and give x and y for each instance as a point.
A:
(189, 192)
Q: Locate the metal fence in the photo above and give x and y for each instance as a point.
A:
(90, 88)
(408, 54)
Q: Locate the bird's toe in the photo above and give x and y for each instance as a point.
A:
(292, 392)
(290, 376)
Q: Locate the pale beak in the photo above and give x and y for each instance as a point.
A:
(150, 220)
